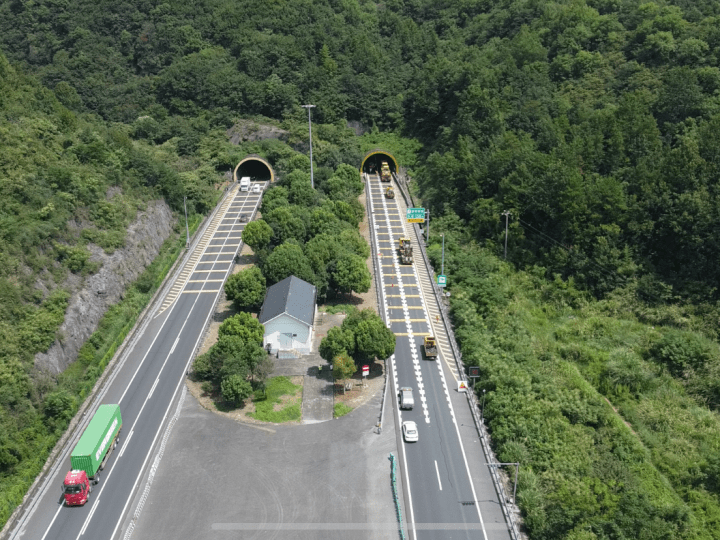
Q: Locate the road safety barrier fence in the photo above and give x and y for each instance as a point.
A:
(396, 497)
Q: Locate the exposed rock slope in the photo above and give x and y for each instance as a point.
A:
(98, 292)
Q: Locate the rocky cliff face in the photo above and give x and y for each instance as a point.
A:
(94, 295)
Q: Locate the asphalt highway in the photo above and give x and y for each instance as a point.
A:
(441, 498)
(146, 383)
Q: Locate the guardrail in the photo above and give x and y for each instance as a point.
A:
(509, 510)
(378, 293)
(393, 478)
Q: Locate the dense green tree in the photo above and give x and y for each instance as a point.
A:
(244, 326)
(286, 260)
(273, 198)
(349, 273)
(373, 340)
(235, 389)
(343, 366)
(257, 234)
(338, 341)
(287, 223)
(246, 289)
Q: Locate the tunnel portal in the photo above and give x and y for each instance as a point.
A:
(373, 159)
(257, 168)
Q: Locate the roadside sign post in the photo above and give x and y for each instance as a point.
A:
(473, 373)
(442, 280)
(415, 215)
(365, 372)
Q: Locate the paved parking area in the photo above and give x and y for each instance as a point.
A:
(220, 479)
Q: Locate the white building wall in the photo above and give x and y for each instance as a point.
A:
(285, 333)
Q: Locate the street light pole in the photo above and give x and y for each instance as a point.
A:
(427, 228)
(187, 229)
(308, 107)
(507, 215)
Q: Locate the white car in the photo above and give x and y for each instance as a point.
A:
(410, 431)
(256, 188)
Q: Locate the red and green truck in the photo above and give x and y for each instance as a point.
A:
(90, 454)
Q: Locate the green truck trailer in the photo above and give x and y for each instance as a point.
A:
(90, 454)
(99, 437)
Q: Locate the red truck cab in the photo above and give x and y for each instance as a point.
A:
(76, 488)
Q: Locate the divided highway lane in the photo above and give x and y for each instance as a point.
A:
(145, 386)
(441, 493)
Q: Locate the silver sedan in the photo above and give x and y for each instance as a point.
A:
(410, 431)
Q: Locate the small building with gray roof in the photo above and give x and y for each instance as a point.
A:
(288, 314)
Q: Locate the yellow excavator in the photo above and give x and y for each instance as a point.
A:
(389, 192)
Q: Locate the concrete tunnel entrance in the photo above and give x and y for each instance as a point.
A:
(373, 159)
(257, 168)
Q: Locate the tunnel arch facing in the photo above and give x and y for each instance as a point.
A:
(255, 167)
(377, 156)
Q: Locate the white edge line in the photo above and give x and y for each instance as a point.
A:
(53, 520)
(87, 521)
(438, 475)
(122, 450)
(172, 400)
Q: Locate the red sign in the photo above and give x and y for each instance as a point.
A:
(366, 370)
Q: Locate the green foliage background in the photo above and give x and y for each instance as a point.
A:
(594, 123)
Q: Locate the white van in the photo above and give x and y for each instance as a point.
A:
(245, 183)
(406, 398)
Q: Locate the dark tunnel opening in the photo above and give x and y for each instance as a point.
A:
(373, 163)
(255, 169)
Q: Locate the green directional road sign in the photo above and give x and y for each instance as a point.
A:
(415, 215)
(442, 280)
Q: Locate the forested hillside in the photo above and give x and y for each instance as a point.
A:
(594, 123)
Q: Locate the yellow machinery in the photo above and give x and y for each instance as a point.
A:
(385, 175)
(389, 192)
(430, 346)
(405, 250)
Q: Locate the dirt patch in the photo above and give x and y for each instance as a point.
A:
(361, 391)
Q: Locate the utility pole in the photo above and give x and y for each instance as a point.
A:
(507, 215)
(482, 408)
(427, 228)
(517, 470)
(309, 107)
(187, 229)
(442, 265)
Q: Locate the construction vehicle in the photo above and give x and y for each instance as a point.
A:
(385, 175)
(91, 453)
(405, 250)
(430, 346)
(390, 192)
